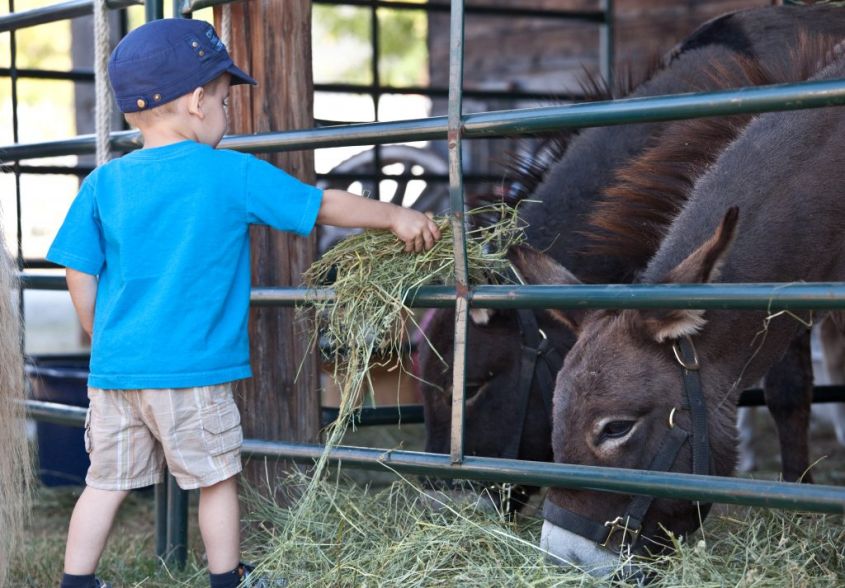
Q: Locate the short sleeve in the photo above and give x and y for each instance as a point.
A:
(79, 242)
(277, 199)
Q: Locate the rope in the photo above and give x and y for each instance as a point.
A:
(103, 104)
(226, 26)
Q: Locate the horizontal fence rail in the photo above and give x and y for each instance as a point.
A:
(56, 12)
(493, 124)
(589, 16)
(786, 495)
(773, 297)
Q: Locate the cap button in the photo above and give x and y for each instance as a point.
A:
(201, 53)
(141, 103)
(156, 97)
(194, 44)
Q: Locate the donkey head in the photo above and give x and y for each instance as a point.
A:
(619, 402)
(506, 397)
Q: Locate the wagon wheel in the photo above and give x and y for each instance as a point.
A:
(405, 169)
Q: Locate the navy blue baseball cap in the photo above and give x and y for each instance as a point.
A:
(165, 59)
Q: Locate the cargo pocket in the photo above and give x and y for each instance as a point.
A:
(87, 433)
(221, 424)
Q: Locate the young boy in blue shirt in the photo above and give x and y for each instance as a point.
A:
(156, 246)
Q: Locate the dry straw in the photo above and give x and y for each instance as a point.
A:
(369, 320)
(15, 465)
(355, 536)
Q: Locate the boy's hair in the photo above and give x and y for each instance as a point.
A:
(147, 117)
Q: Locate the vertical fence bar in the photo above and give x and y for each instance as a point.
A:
(375, 95)
(161, 518)
(171, 508)
(153, 9)
(13, 75)
(177, 527)
(456, 201)
(606, 46)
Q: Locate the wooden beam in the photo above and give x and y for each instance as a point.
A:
(271, 40)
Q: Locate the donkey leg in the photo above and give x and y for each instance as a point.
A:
(746, 456)
(833, 352)
(789, 395)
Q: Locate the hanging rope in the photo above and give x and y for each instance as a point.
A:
(103, 103)
(226, 26)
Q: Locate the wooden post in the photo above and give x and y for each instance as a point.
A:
(271, 40)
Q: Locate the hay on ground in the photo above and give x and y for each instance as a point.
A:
(357, 536)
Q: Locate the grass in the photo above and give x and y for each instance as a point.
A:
(389, 535)
(129, 559)
(393, 537)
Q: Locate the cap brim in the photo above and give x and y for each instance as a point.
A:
(239, 76)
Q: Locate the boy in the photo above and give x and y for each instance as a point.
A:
(158, 243)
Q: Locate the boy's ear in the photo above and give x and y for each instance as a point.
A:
(196, 102)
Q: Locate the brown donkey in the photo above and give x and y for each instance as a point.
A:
(627, 395)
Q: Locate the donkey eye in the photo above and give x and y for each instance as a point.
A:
(615, 430)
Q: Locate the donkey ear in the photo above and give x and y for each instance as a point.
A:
(538, 268)
(702, 266)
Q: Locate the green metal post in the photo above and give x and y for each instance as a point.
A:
(606, 46)
(161, 520)
(153, 9)
(177, 523)
(456, 200)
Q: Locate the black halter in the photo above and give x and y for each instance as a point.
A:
(539, 364)
(631, 521)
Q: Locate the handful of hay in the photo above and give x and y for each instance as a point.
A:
(369, 316)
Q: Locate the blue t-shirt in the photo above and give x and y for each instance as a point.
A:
(167, 231)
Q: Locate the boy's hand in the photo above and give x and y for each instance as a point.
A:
(417, 230)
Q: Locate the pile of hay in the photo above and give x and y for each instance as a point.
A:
(15, 463)
(358, 536)
(372, 276)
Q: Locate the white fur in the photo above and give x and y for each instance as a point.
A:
(568, 549)
(481, 316)
(693, 322)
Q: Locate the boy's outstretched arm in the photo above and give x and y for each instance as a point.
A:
(83, 293)
(344, 209)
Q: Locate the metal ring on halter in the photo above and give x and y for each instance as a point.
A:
(679, 356)
(542, 333)
(672, 418)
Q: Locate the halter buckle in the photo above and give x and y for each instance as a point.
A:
(619, 524)
(690, 364)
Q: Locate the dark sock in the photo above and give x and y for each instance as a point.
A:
(226, 579)
(71, 581)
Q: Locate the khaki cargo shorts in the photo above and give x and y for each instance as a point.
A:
(131, 434)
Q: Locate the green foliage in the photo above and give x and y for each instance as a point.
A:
(347, 30)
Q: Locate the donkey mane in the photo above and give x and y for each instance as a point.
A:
(633, 215)
(524, 172)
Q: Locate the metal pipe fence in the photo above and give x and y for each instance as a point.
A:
(813, 498)
(56, 12)
(524, 121)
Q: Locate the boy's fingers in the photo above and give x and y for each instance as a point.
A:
(429, 239)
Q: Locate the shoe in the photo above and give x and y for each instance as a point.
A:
(250, 580)
(98, 583)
